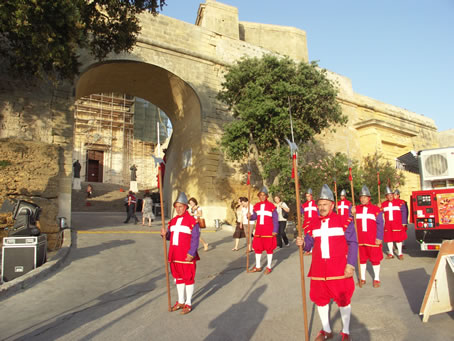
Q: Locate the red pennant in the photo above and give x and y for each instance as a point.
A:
(293, 166)
(378, 178)
(248, 178)
(350, 177)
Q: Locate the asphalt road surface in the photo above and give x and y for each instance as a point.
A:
(112, 286)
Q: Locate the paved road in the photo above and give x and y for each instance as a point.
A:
(112, 287)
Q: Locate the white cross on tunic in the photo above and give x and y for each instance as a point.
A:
(342, 207)
(310, 208)
(390, 209)
(177, 228)
(364, 216)
(262, 213)
(324, 232)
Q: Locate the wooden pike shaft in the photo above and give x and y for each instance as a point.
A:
(164, 242)
(378, 184)
(335, 193)
(356, 231)
(300, 234)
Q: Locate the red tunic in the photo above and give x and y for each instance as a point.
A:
(394, 230)
(310, 212)
(329, 253)
(263, 236)
(343, 207)
(180, 228)
(329, 259)
(366, 221)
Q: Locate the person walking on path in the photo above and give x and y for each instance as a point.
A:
(132, 201)
(335, 248)
(266, 228)
(282, 209)
(183, 233)
(246, 209)
(369, 219)
(396, 214)
(147, 209)
(196, 211)
(239, 229)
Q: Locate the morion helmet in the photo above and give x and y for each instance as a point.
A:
(396, 191)
(309, 191)
(364, 192)
(182, 199)
(326, 193)
(264, 190)
(344, 193)
(388, 191)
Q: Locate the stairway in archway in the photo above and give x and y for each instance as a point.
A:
(106, 198)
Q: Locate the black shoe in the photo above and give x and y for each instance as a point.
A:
(125, 222)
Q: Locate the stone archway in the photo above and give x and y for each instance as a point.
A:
(165, 90)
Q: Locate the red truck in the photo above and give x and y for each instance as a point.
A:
(432, 207)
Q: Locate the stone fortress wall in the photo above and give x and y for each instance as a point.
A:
(179, 67)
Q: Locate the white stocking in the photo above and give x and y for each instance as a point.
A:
(258, 257)
(362, 268)
(269, 258)
(180, 290)
(189, 292)
(323, 312)
(345, 316)
(390, 248)
(376, 272)
(399, 248)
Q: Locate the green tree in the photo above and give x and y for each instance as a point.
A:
(389, 175)
(259, 92)
(42, 38)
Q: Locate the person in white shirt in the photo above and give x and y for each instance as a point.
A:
(282, 209)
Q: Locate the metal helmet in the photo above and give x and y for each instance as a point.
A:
(344, 193)
(264, 190)
(396, 191)
(326, 193)
(388, 191)
(364, 192)
(182, 199)
(309, 191)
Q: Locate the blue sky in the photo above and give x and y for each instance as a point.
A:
(399, 52)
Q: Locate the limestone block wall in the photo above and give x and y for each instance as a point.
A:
(31, 172)
(446, 138)
(271, 37)
(41, 112)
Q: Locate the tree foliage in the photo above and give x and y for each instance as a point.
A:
(259, 92)
(321, 167)
(42, 37)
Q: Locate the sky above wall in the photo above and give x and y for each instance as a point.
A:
(400, 52)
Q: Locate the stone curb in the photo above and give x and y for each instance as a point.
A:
(33, 277)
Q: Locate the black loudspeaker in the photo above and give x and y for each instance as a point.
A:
(21, 255)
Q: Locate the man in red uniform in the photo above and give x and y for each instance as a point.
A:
(183, 233)
(309, 208)
(369, 221)
(404, 210)
(396, 214)
(343, 206)
(334, 257)
(310, 212)
(266, 228)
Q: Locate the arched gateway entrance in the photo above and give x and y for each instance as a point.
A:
(170, 93)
